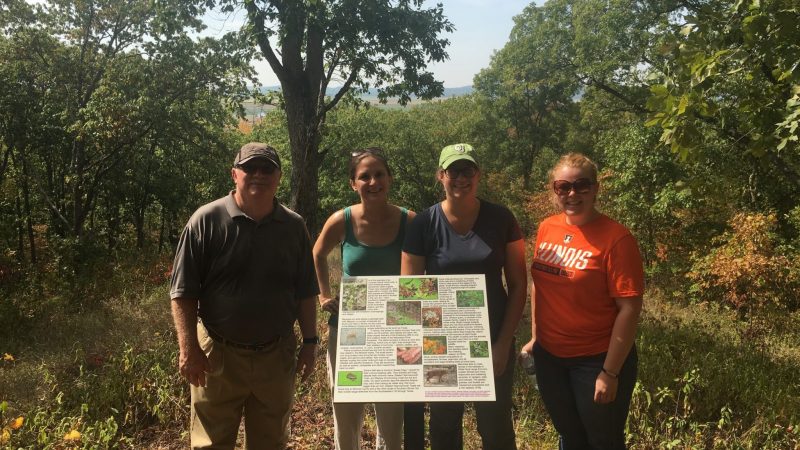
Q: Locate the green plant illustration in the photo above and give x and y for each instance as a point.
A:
(419, 289)
(478, 349)
(354, 296)
(350, 378)
(469, 299)
(403, 313)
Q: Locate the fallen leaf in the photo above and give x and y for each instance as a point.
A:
(5, 435)
(7, 357)
(16, 424)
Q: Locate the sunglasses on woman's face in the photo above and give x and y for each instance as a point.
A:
(579, 186)
(466, 171)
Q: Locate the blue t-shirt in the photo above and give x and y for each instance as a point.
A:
(481, 251)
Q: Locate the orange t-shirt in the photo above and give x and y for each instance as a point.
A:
(577, 273)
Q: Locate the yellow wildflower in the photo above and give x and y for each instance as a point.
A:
(73, 435)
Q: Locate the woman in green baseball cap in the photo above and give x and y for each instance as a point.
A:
(464, 234)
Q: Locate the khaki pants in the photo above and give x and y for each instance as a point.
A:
(256, 384)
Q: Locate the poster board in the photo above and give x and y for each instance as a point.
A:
(413, 339)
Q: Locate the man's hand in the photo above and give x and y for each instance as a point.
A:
(305, 361)
(193, 365)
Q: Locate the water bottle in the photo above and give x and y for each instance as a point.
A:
(526, 361)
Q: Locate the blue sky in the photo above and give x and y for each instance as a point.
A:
(482, 27)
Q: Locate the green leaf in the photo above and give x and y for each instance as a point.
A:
(659, 90)
(653, 122)
(683, 104)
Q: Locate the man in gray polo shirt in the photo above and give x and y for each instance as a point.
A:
(244, 267)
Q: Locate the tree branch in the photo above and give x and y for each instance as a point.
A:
(257, 19)
(346, 87)
(615, 93)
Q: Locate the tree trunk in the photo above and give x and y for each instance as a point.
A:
(78, 167)
(304, 139)
(161, 230)
(20, 230)
(4, 164)
(113, 227)
(26, 201)
(528, 155)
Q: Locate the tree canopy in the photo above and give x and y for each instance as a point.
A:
(356, 44)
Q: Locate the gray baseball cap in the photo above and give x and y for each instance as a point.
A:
(253, 150)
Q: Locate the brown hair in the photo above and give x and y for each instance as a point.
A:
(576, 160)
(358, 155)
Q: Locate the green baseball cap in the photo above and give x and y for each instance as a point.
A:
(456, 152)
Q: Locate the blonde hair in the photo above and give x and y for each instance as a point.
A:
(575, 160)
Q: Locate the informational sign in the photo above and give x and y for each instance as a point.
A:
(413, 339)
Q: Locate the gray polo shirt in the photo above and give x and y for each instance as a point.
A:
(248, 276)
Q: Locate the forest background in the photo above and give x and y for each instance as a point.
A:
(117, 121)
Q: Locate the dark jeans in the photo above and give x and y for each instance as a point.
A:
(414, 426)
(567, 388)
(495, 424)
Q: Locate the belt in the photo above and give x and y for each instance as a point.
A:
(254, 347)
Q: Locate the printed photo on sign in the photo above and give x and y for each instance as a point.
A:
(432, 317)
(419, 289)
(403, 313)
(409, 355)
(441, 375)
(469, 299)
(350, 378)
(354, 296)
(352, 336)
(434, 345)
(478, 349)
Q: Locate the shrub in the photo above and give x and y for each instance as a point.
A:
(747, 269)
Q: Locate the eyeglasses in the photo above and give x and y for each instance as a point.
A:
(252, 168)
(466, 171)
(579, 186)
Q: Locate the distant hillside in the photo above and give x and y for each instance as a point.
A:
(373, 93)
(255, 110)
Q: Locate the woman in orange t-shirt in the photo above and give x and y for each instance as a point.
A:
(587, 296)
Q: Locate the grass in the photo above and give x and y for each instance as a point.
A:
(104, 366)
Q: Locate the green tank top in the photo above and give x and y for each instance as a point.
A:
(363, 260)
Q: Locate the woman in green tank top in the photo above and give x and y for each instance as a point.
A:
(371, 237)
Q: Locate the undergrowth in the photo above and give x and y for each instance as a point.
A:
(105, 376)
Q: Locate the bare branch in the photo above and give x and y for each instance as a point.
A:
(346, 87)
(257, 19)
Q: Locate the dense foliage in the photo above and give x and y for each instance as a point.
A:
(117, 121)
